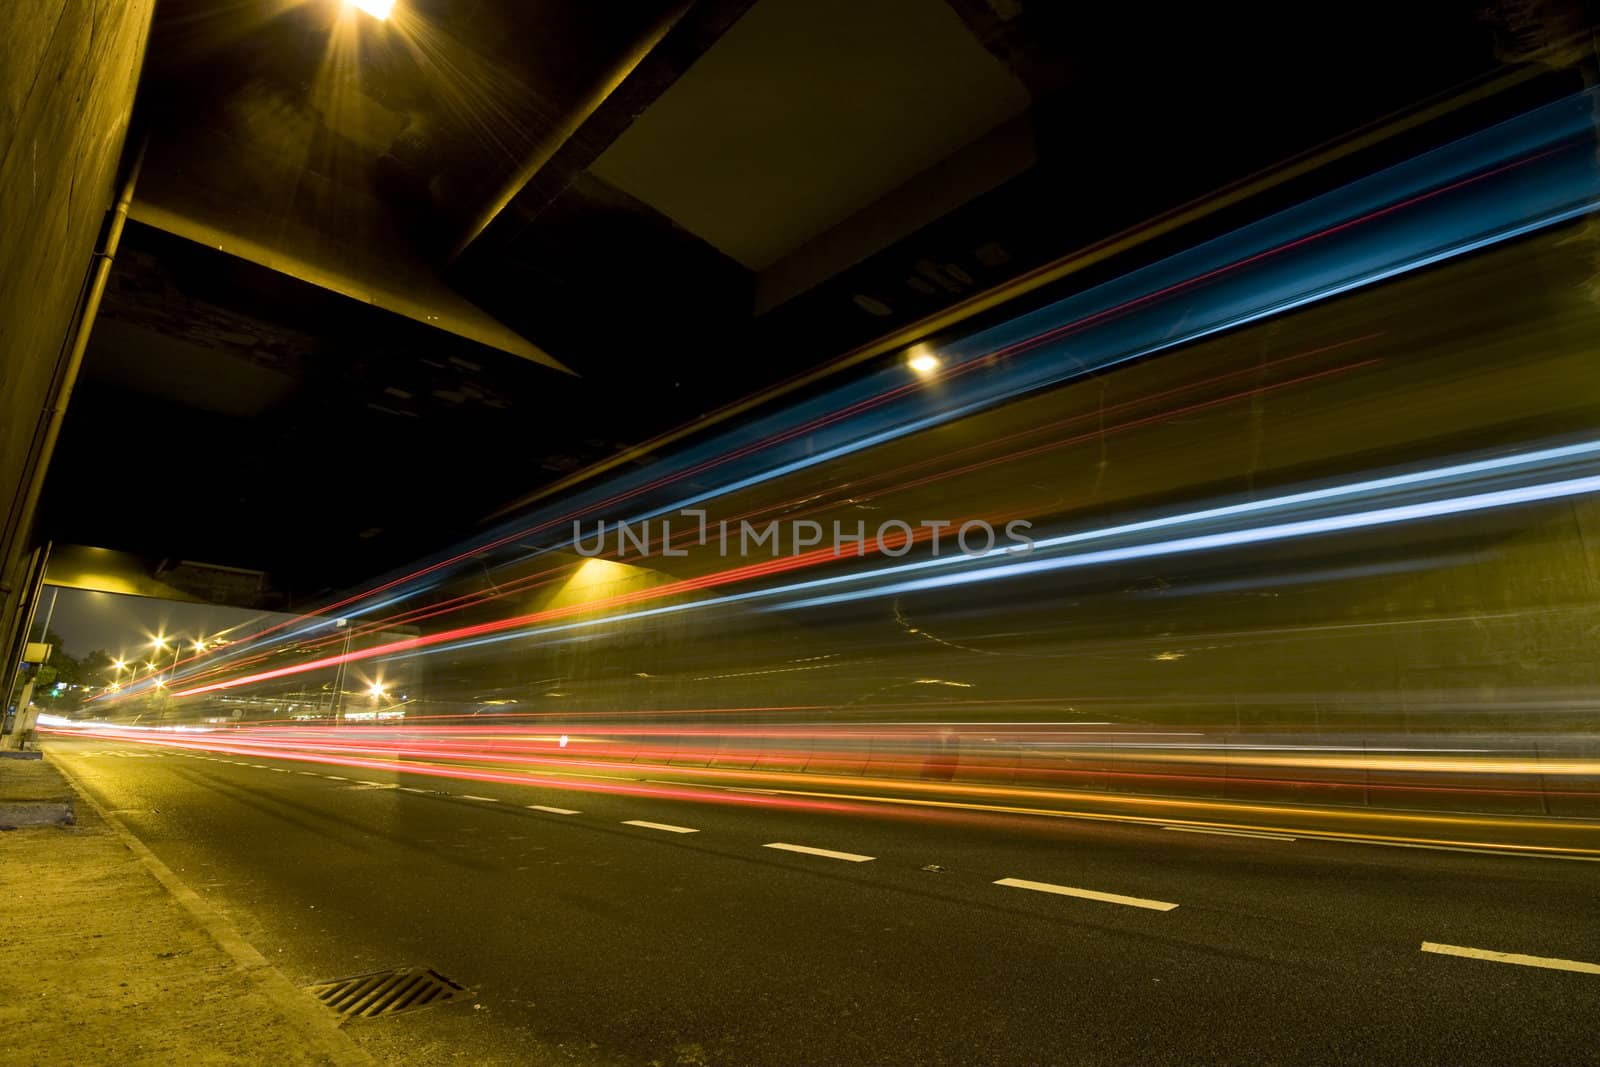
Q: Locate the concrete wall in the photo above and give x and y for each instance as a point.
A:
(68, 72)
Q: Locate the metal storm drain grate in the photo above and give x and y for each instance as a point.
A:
(386, 992)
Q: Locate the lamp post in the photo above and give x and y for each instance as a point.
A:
(159, 644)
(338, 682)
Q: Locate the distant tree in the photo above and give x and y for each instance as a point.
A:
(52, 686)
(97, 668)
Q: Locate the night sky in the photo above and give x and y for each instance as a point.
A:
(122, 624)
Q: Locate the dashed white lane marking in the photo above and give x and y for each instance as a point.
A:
(668, 827)
(828, 853)
(335, 778)
(413, 789)
(553, 811)
(279, 770)
(1228, 833)
(1087, 894)
(469, 796)
(309, 774)
(1548, 962)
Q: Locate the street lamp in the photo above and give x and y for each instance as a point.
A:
(922, 360)
(338, 681)
(377, 691)
(378, 9)
(160, 641)
(118, 665)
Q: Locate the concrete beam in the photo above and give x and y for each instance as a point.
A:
(404, 287)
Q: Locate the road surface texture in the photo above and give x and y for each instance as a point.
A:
(597, 928)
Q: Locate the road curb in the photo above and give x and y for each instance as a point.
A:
(18, 813)
(320, 1030)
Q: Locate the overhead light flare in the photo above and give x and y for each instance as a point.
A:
(922, 361)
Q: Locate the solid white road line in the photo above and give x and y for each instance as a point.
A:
(553, 811)
(851, 857)
(668, 827)
(1548, 962)
(1508, 851)
(1228, 833)
(1087, 894)
(703, 785)
(469, 796)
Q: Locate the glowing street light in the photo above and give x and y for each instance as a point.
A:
(378, 9)
(922, 361)
(376, 690)
(159, 642)
(118, 665)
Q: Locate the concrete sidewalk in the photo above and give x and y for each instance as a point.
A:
(106, 957)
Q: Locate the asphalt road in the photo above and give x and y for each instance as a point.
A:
(602, 933)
